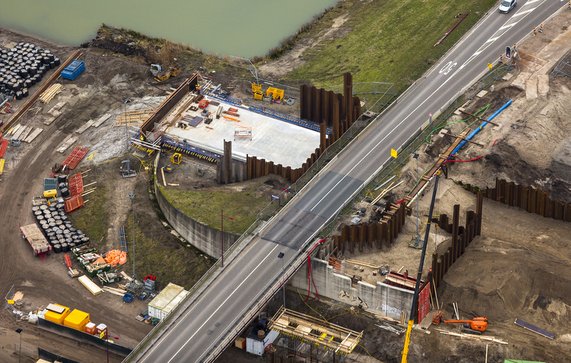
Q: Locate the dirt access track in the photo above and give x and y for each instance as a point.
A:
(43, 281)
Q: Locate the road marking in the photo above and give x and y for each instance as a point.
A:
(520, 13)
(508, 26)
(224, 302)
(531, 2)
(448, 67)
(407, 116)
(494, 38)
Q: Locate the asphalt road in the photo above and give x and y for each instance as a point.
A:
(192, 337)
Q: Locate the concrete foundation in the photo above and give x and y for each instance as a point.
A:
(381, 298)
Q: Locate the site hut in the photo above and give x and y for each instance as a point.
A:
(166, 301)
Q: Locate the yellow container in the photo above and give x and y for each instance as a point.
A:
(52, 193)
(77, 319)
(56, 317)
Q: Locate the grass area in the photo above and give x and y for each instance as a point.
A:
(157, 254)
(390, 40)
(93, 217)
(240, 207)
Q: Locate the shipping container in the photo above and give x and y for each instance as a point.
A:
(56, 313)
(168, 299)
(73, 70)
(257, 345)
(77, 320)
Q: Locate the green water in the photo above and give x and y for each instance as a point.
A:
(227, 27)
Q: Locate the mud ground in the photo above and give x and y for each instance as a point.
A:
(44, 280)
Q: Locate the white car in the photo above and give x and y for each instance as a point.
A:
(507, 5)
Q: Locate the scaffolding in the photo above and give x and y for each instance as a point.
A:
(315, 331)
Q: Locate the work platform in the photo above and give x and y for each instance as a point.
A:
(316, 331)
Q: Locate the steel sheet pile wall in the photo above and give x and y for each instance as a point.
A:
(380, 234)
(461, 238)
(528, 198)
(230, 170)
(187, 86)
(326, 108)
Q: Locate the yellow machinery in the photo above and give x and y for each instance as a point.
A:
(277, 94)
(176, 158)
(165, 75)
(257, 91)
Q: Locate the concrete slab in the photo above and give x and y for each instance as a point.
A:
(531, 88)
(272, 139)
(482, 93)
(507, 77)
(520, 80)
(543, 84)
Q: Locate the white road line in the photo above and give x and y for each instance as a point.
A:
(508, 26)
(407, 116)
(224, 302)
(530, 2)
(520, 13)
(490, 41)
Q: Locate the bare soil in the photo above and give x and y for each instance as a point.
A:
(108, 80)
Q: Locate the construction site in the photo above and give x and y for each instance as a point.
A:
(127, 183)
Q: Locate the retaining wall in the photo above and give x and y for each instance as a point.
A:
(201, 236)
(462, 236)
(380, 234)
(387, 300)
(531, 199)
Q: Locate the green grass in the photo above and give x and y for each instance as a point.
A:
(169, 261)
(93, 217)
(204, 206)
(390, 41)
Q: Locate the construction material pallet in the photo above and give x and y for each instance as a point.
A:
(36, 239)
(75, 184)
(75, 157)
(50, 93)
(534, 328)
(133, 117)
(74, 203)
(3, 147)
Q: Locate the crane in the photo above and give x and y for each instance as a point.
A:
(413, 308)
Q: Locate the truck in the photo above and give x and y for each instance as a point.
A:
(34, 236)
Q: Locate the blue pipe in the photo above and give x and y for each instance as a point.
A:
(479, 128)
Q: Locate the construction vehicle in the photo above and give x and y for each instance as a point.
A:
(414, 306)
(276, 94)
(176, 158)
(476, 325)
(125, 169)
(161, 75)
(257, 92)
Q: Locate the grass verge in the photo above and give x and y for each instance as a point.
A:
(389, 41)
(93, 217)
(240, 207)
(158, 254)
